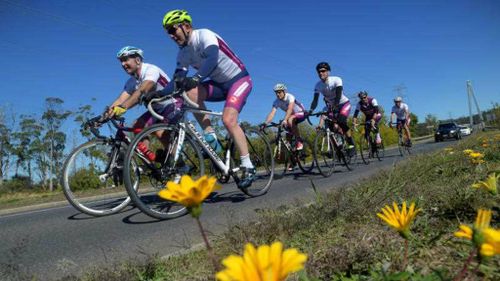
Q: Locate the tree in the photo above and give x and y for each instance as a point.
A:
(53, 117)
(5, 143)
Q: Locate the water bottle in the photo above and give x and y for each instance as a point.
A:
(211, 139)
(145, 151)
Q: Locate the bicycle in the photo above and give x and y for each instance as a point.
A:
(285, 150)
(330, 145)
(181, 155)
(92, 173)
(368, 147)
(403, 146)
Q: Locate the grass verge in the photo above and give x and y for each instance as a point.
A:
(343, 237)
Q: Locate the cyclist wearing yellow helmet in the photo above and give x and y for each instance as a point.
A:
(220, 76)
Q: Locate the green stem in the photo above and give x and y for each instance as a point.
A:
(462, 273)
(209, 249)
(405, 258)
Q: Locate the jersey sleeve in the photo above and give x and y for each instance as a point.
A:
(337, 81)
(374, 102)
(152, 74)
(275, 103)
(290, 98)
(393, 110)
(130, 86)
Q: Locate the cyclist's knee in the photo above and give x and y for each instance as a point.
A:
(230, 119)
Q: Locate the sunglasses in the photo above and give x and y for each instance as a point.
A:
(172, 29)
(322, 70)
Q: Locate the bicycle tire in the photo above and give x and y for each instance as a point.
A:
(145, 197)
(84, 191)
(324, 154)
(305, 157)
(262, 158)
(364, 150)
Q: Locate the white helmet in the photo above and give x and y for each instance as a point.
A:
(129, 51)
(279, 87)
(396, 99)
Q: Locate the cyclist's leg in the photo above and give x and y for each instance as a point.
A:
(377, 117)
(293, 123)
(199, 95)
(238, 90)
(345, 109)
(407, 130)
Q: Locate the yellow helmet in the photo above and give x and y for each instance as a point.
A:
(176, 17)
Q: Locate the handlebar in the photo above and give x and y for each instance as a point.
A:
(96, 122)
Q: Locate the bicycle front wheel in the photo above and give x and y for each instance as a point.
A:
(92, 178)
(305, 157)
(173, 155)
(262, 158)
(324, 154)
(365, 150)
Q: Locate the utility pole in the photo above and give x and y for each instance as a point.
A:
(400, 89)
(471, 96)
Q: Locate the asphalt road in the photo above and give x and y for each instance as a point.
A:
(52, 243)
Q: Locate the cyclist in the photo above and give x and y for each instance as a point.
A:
(144, 78)
(295, 112)
(220, 76)
(369, 107)
(336, 102)
(402, 113)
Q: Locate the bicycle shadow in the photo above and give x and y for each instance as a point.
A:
(230, 196)
(83, 216)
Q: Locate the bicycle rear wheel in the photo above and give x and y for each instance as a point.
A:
(324, 154)
(92, 178)
(174, 157)
(262, 158)
(400, 145)
(380, 150)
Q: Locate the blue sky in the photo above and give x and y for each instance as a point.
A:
(67, 49)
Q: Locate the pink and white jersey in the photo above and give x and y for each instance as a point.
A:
(283, 104)
(401, 111)
(328, 89)
(228, 64)
(149, 72)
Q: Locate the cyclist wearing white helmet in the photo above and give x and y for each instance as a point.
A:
(336, 102)
(295, 112)
(144, 78)
(402, 113)
(220, 76)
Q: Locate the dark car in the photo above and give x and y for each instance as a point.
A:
(447, 131)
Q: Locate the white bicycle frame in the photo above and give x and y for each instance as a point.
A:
(190, 106)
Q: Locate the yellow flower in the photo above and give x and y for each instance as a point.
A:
(267, 263)
(188, 192)
(399, 220)
(476, 155)
(468, 151)
(476, 233)
(485, 145)
(491, 245)
(490, 184)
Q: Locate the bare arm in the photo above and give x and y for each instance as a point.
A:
(270, 116)
(145, 87)
(289, 111)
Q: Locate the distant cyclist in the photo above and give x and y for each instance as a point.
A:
(144, 78)
(369, 107)
(220, 76)
(336, 102)
(295, 112)
(402, 113)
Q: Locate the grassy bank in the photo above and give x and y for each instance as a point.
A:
(343, 237)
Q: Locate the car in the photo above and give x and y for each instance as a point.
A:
(465, 130)
(447, 131)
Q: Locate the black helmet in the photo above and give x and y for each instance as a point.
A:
(324, 65)
(362, 94)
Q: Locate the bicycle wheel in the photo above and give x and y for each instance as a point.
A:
(400, 145)
(262, 158)
(380, 150)
(173, 158)
(283, 159)
(305, 157)
(324, 154)
(92, 178)
(364, 150)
